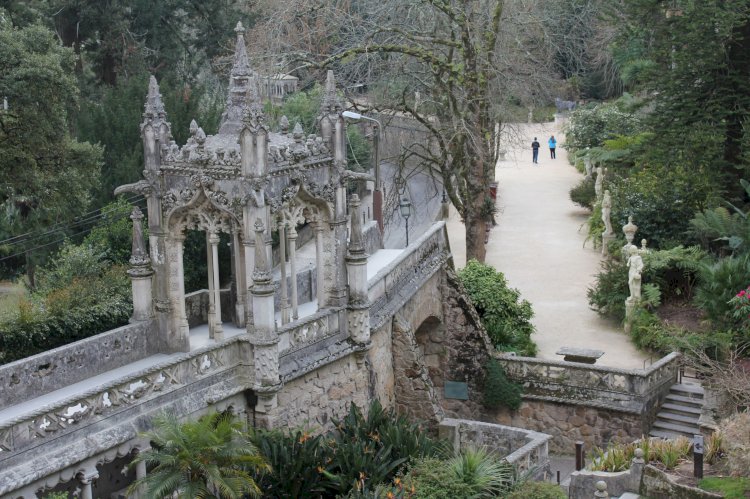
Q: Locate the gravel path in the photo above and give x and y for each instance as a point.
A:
(539, 245)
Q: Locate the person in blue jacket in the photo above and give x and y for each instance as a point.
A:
(552, 146)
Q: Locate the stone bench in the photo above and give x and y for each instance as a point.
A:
(580, 355)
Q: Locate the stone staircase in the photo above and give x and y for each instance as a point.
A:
(679, 413)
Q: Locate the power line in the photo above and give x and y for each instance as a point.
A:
(20, 253)
(89, 217)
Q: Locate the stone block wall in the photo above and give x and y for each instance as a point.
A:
(313, 399)
(524, 448)
(49, 371)
(568, 423)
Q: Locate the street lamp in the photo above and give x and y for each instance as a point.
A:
(405, 207)
(377, 196)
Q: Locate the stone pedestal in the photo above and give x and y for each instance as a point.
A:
(606, 238)
(630, 304)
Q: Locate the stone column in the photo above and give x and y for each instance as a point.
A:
(140, 272)
(213, 239)
(264, 338)
(358, 315)
(179, 331)
(238, 253)
(320, 279)
(86, 478)
(292, 256)
(211, 293)
(282, 266)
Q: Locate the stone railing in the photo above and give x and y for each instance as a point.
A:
(640, 478)
(32, 428)
(636, 391)
(306, 332)
(525, 449)
(49, 371)
(400, 279)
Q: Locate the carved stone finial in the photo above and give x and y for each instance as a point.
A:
(601, 489)
(330, 103)
(239, 29)
(284, 124)
(298, 133)
(200, 136)
(139, 258)
(629, 230)
(154, 105)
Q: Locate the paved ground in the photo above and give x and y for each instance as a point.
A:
(539, 246)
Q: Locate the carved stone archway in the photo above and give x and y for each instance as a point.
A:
(197, 207)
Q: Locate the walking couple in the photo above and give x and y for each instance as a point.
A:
(552, 142)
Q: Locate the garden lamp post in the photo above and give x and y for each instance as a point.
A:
(405, 207)
(377, 195)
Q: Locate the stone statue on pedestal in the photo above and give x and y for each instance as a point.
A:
(635, 269)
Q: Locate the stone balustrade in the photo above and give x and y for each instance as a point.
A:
(49, 371)
(308, 331)
(636, 391)
(526, 449)
(53, 421)
(399, 280)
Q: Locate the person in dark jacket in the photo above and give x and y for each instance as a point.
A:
(535, 151)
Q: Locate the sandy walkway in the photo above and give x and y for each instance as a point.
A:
(539, 246)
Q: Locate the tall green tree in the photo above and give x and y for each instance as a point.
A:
(698, 77)
(47, 175)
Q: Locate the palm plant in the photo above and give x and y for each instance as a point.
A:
(209, 458)
(482, 472)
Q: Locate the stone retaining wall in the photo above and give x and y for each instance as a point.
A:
(524, 448)
(592, 403)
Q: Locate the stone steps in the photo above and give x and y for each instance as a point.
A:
(680, 413)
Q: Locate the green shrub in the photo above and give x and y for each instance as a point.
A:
(506, 317)
(499, 391)
(611, 289)
(583, 194)
(537, 490)
(369, 450)
(297, 461)
(83, 308)
(661, 200)
(591, 126)
(718, 282)
(429, 479)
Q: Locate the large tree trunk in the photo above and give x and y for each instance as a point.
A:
(475, 233)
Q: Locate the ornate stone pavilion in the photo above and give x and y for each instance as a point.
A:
(245, 181)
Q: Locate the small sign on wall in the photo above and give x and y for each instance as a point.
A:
(456, 390)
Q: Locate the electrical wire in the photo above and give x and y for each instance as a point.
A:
(89, 217)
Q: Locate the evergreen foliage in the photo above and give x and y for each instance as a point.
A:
(583, 194)
(506, 317)
(47, 174)
(499, 391)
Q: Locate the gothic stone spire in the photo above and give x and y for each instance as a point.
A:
(241, 66)
(331, 103)
(154, 106)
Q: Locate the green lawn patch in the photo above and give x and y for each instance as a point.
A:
(730, 487)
